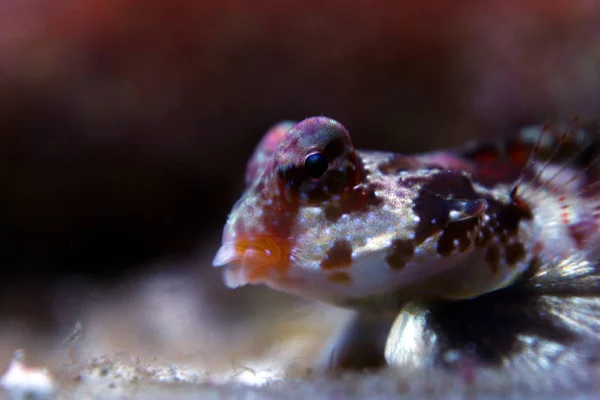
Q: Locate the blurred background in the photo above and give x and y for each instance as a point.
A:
(125, 127)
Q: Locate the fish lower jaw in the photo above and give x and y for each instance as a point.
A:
(233, 276)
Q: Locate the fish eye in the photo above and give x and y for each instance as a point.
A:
(316, 165)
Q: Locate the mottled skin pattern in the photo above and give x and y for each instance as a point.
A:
(373, 230)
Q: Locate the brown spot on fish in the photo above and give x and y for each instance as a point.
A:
(338, 256)
(401, 251)
(502, 237)
(358, 200)
(507, 216)
(515, 252)
(485, 235)
(492, 257)
(457, 232)
(439, 192)
(333, 212)
(339, 277)
(432, 205)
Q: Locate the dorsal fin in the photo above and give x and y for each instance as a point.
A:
(564, 158)
(529, 153)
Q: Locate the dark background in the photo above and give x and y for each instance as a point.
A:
(125, 126)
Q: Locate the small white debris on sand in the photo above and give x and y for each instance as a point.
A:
(22, 382)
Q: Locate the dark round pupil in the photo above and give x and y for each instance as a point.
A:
(316, 165)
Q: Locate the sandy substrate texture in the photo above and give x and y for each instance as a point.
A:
(160, 336)
(110, 379)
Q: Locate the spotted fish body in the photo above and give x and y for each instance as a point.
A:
(325, 221)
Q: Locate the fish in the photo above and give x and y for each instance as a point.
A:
(403, 238)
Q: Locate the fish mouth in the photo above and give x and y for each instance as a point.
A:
(252, 260)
